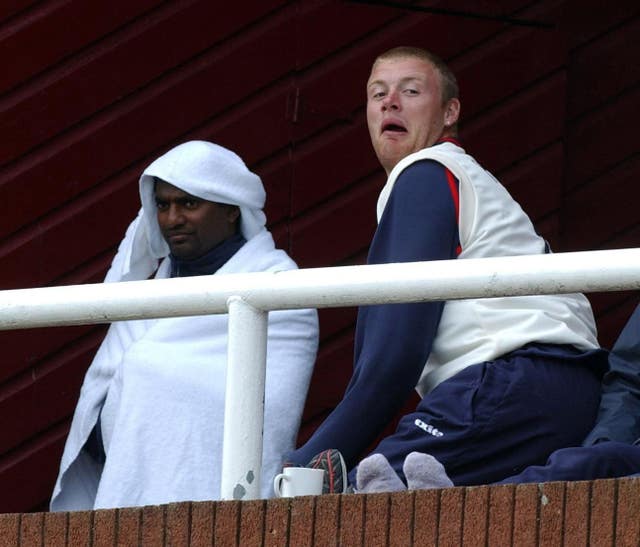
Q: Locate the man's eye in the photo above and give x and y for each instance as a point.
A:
(411, 91)
(161, 205)
(191, 203)
(378, 95)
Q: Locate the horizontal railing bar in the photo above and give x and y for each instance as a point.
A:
(585, 271)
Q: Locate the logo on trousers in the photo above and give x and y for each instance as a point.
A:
(428, 428)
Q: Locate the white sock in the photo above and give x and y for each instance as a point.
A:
(375, 474)
(424, 471)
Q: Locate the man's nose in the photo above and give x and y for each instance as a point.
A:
(175, 216)
(390, 101)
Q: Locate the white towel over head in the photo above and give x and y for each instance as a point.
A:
(210, 172)
(204, 170)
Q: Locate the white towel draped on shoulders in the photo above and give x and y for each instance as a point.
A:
(163, 381)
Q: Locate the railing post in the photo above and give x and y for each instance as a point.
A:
(244, 402)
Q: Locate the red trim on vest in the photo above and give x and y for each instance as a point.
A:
(449, 139)
(455, 194)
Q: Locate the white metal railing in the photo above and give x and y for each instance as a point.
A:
(248, 297)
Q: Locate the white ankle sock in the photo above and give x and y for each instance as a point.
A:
(375, 474)
(424, 471)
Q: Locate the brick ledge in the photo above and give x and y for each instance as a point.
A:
(603, 512)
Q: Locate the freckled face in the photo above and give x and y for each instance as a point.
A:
(192, 226)
(405, 111)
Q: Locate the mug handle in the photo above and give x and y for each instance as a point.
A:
(277, 484)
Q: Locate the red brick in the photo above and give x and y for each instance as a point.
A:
(104, 528)
(202, 522)
(603, 512)
(628, 511)
(476, 514)
(551, 513)
(252, 523)
(450, 518)
(80, 528)
(426, 507)
(31, 528)
(10, 528)
(603, 504)
(177, 524)
(55, 529)
(129, 526)
(351, 520)
(401, 519)
(152, 527)
(327, 519)
(525, 516)
(302, 521)
(276, 524)
(501, 510)
(227, 523)
(376, 519)
(576, 513)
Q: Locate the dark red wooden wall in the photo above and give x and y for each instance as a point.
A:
(90, 92)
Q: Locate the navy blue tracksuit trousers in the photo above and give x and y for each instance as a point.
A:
(492, 420)
(605, 460)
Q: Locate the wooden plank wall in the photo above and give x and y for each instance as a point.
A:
(569, 514)
(602, 156)
(91, 92)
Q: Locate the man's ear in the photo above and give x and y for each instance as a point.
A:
(451, 112)
(233, 213)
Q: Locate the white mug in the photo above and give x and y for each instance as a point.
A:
(298, 481)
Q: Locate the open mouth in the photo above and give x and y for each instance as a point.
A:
(393, 128)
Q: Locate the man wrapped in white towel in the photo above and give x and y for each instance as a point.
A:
(148, 426)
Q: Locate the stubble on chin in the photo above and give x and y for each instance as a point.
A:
(390, 156)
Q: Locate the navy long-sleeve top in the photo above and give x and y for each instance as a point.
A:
(393, 341)
(619, 411)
